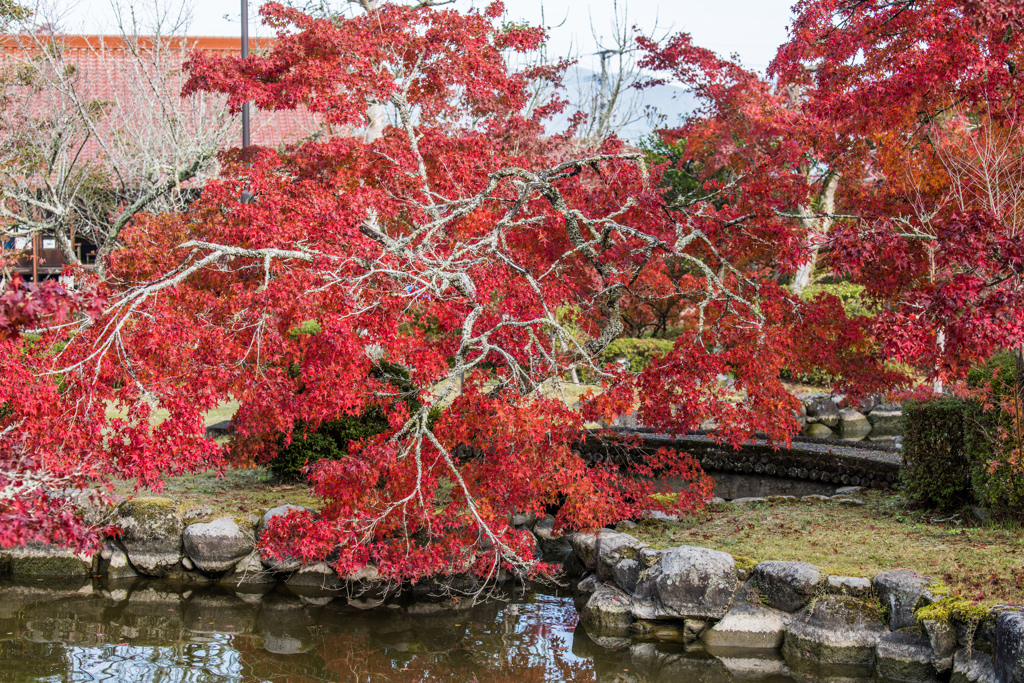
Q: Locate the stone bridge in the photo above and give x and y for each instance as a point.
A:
(758, 468)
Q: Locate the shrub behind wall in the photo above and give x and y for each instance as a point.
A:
(936, 465)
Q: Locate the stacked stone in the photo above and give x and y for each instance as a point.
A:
(822, 626)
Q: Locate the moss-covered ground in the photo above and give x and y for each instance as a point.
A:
(236, 492)
(983, 563)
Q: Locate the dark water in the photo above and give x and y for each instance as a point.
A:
(150, 632)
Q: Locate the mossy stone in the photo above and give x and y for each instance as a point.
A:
(152, 534)
(746, 564)
(47, 560)
(834, 630)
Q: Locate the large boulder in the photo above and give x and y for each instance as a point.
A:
(822, 410)
(116, 565)
(886, 419)
(902, 591)
(584, 545)
(217, 546)
(152, 534)
(608, 612)
(853, 423)
(626, 574)
(905, 656)
(788, 586)
(1008, 652)
(747, 627)
(973, 667)
(688, 582)
(834, 631)
(611, 548)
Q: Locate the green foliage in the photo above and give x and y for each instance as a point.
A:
(331, 438)
(638, 352)
(309, 328)
(851, 296)
(958, 451)
(681, 178)
(936, 467)
(953, 609)
(1000, 370)
(995, 440)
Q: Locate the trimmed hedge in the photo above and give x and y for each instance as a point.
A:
(962, 451)
(936, 467)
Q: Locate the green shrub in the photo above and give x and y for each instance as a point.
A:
(936, 467)
(638, 352)
(1000, 370)
(331, 438)
(815, 377)
(851, 296)
(995, 438)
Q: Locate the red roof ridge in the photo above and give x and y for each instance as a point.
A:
(97, 41)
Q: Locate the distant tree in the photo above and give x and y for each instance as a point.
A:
(934, 89)
(90, 137)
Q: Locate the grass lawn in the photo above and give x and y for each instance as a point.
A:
(982, 563)
(238, 491)
(224, 411)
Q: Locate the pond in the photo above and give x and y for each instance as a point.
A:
(161, 633)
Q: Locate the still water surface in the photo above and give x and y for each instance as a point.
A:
(155, 633)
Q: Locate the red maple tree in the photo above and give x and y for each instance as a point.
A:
(888, 139)
(933, 90)
(434, 227)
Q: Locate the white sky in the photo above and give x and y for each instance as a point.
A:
(751, 28)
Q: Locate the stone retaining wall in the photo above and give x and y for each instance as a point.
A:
(898, 625)
(816, 462)
(162, 540)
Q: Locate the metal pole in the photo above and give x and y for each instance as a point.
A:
(245, 53)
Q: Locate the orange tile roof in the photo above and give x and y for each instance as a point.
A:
(96, 58)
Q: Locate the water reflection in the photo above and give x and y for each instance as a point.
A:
(153, 632)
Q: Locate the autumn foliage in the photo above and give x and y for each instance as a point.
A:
(491, 260)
